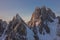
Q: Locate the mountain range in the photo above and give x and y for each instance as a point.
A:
(43, 25)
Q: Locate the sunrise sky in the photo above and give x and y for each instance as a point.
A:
(25, 8)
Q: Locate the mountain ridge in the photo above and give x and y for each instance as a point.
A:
(43, 25)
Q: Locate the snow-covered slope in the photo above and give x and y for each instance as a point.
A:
(52, 35)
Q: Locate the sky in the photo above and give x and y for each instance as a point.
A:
(25, 8)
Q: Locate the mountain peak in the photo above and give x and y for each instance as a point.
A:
(41, 17)
(18, 17)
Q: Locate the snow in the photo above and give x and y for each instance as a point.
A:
(30, 34)
(52, 34)
(53, 28)
(43, 37)
(4, 35)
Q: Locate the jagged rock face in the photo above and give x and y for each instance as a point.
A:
(47, 14)
(40, 17)
(16, 29)
(42, 14)
(3, 25)
(43, 26)
(35, 17)
(50, 13)
(18, 33)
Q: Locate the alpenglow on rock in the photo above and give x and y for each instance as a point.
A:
(42, 14)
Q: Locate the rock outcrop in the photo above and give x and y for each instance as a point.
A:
(41, 17)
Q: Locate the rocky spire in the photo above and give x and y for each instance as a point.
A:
(41, 17)
(42, 14)
(16, 26)
(17, 29)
